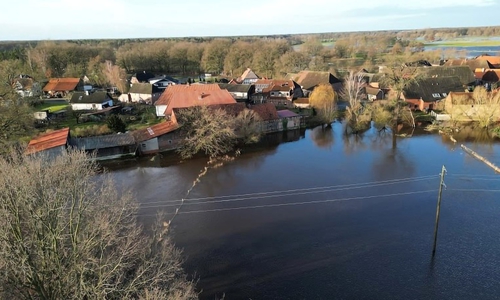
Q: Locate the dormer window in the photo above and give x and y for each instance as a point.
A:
(436, 95)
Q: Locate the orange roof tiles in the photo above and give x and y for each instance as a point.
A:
(279, 85)
(494, 60)
(169, 91)
(61, 84)
(154, 131)
(179, 96)
(48, 140)
(266, 111)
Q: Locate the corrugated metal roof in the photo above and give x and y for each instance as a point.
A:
(155, 131)
(48, 140)
(104, 141)
(61, 84)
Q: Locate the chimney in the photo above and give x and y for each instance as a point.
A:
(87, 93)
(200, 97)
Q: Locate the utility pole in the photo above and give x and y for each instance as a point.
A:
(438, 209)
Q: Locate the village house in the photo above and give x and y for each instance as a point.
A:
(489, 76)
(248, 77)
(424, 93)
(494, 61)
(141, 77)
(90, 101)
(290, 120)
(281, 92)
(157, 138)
(141, 93)
(49, 144)
(104, 147)
(371, 93)
(308, 80)
(240, 92)
(61, 87)
(180, 96)
(25, 86)
(163, 81)
(473, 64)
(464, 73)
(301, 103)
(462, 107)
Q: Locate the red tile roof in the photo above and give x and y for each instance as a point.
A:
(173, 89)
(266, 111)
(179, 96)
(48, 140)
(61, 84)
(154, 131)
(279, 85)
(494, 60)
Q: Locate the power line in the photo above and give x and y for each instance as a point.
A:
(473, 176)
(297, 203)
(474, 190)
(190, 202)
(302, 191)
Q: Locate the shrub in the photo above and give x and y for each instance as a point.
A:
(116, 123)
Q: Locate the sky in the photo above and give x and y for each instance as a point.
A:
(103, 19)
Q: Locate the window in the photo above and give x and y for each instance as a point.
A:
(445, 94)
(436, 95)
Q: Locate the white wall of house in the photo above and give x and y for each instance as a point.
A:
(149, 146)
(140, 97)
(239, 95)
(91, 106)
(250, 81)
(160, 110)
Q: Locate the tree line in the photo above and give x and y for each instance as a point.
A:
(267, 55)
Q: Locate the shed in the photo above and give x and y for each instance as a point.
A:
(50, 144)
(106, 146)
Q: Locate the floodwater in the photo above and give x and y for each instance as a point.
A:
(329, 217)
(470, 51)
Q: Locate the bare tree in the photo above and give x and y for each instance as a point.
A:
(247, 126)
(357, 115)
(67, 234)
(207, 130)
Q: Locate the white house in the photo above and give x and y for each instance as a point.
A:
(162, 82)
(90, 101)
(141, 93)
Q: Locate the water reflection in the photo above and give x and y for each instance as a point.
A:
(322, 137)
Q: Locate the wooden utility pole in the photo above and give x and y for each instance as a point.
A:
(438, 209)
